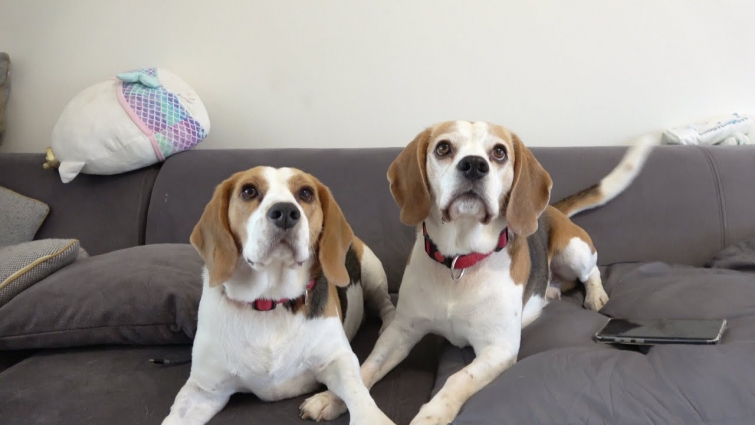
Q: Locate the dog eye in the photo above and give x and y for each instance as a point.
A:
(499, 152)
(443, 148)
(249, 192)
(306, 194)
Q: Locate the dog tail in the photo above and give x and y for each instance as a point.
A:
(611, 185)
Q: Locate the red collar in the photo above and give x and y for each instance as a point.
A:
(263, 304)
(461, 261)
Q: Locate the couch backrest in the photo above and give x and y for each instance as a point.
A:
(687, 204)
(104, 212)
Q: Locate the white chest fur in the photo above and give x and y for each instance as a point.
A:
(462, 311)
(270, 354)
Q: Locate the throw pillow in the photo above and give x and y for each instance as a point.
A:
(739, 256)
(25, 264)
(20, 217)
(144, 295)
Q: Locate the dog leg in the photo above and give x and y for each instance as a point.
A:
(375, 285)
(195, 405)
(390, 349)
(577, 261)
(490, 362)
(595, 294)
(342, 378)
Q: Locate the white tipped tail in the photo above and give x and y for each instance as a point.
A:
(614, 183)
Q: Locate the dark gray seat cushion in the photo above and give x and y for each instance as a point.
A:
(580, 385)
(564, 377)
(118, 386)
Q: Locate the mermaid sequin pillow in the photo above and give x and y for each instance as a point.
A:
(135, 120)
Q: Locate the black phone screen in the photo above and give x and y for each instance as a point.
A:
(664, 329)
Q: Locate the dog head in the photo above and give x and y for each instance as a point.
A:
(266, 217)
(470, 170)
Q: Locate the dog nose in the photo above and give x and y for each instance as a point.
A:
(473, 167)
(284, 215)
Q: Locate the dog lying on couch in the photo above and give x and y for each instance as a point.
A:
(284, 284)
(489, 252)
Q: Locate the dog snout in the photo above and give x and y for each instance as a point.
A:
(473, 167)
(284, 215)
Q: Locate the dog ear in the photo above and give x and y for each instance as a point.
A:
(335, 239)
(212, 236)
(408, 179)
(530, 191)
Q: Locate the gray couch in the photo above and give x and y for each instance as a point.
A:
(676, 244)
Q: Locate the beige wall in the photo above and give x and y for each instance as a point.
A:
(327, 73)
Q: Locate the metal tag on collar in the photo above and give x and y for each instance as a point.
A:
(453, 274)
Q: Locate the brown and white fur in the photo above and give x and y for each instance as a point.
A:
(264, 235)
(488, 307)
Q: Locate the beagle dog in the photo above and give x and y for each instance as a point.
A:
(285, 281)
(489, 253)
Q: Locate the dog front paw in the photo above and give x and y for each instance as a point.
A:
(596, 299)
(324, 406)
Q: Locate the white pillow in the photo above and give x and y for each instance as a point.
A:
(135, 120)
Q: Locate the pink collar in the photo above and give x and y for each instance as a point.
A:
(461, 262)
(263, 304)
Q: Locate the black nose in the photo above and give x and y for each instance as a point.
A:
(473, 167)
(284, 215)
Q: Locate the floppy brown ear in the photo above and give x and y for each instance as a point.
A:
(530, 191)
(408, 178)
(212, 236)
(335, 239)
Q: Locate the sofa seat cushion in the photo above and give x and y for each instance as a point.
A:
(139, 295)
(582, 385)
(562, 376)
(662, 291)
(118, 385)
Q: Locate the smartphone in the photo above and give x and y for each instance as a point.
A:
(651, 332)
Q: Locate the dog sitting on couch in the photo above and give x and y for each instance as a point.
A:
(285, 282)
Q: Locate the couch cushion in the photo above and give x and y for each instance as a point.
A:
(582, 385)
(105, 213)
(662, 291)
(735, 175)
(20, 217)
(25, 264)
(140, 295)
(564, 377)
(739, 256)
(117, 385)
